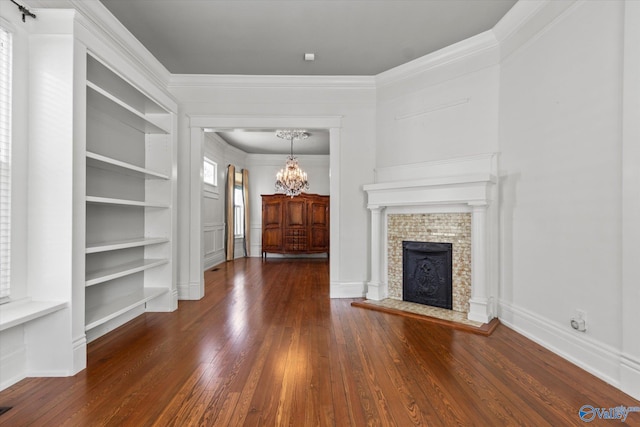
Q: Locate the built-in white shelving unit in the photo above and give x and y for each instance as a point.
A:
(120, 306)
(106, 163)
(110, 273)
(125, 202)
(128, 265)
(98, 131)
(122, 244)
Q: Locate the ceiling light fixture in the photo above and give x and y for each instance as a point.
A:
(291, 180)
(309, 56)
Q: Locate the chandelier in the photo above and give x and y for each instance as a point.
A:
(291, 180)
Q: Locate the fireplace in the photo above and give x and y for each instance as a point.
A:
(426, 273)
(464, 185)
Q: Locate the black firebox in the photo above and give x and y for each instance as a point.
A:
(426, 273)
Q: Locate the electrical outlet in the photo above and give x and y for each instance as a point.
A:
(579, 321)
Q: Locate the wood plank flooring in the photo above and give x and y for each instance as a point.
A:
(267, 347)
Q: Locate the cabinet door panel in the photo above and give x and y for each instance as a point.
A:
(271, 214)
(318, 214)
(271, 239)
(319, 240)
(319, 225)
(295, 213)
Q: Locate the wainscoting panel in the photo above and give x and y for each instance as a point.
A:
(213, 244)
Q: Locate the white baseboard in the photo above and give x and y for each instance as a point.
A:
(218, 257)
(164, 303)
(376, 291)
(630, 375)
(189, 291)
(79, 354)
(593, 356)
(14, 366)
(347, 290)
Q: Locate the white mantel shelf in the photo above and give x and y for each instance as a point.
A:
(466, 184)
(469, 189)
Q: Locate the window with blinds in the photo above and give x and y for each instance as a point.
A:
(5, 164)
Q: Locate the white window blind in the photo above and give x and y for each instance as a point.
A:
(5, 163)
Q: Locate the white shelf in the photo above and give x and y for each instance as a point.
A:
(103, 101)
(22, 311)
(93, 248)
(124, 202)
(109, 311)
(107, 163)
(104, 275)
(104, 77)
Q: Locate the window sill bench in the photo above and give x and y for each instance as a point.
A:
(25, 310)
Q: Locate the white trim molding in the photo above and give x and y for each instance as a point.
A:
(108, 30)
(244, 81)
(347, 290)
(593, 356)
(483, 45)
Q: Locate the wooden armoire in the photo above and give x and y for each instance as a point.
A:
(295, 225)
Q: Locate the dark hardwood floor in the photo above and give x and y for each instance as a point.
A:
(266, 346)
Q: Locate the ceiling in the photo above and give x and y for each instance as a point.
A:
(265, 141)
(268, 37)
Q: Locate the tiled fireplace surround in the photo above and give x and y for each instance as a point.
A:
(445, 201)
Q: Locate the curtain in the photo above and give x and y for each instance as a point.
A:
(245, 196)
(229, 208)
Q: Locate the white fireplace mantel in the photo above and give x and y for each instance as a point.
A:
(457, 185)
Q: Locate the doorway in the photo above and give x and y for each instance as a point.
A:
(200, 126)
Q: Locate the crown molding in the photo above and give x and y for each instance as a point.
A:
(246, 81)
(101, 24)
(525, 20)
(485, 42)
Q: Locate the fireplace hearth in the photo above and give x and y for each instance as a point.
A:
(427, 273)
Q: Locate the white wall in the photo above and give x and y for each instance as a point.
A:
(441, 106)
(275, 97)
(560, 141)
(630, 358)
(569, 107)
